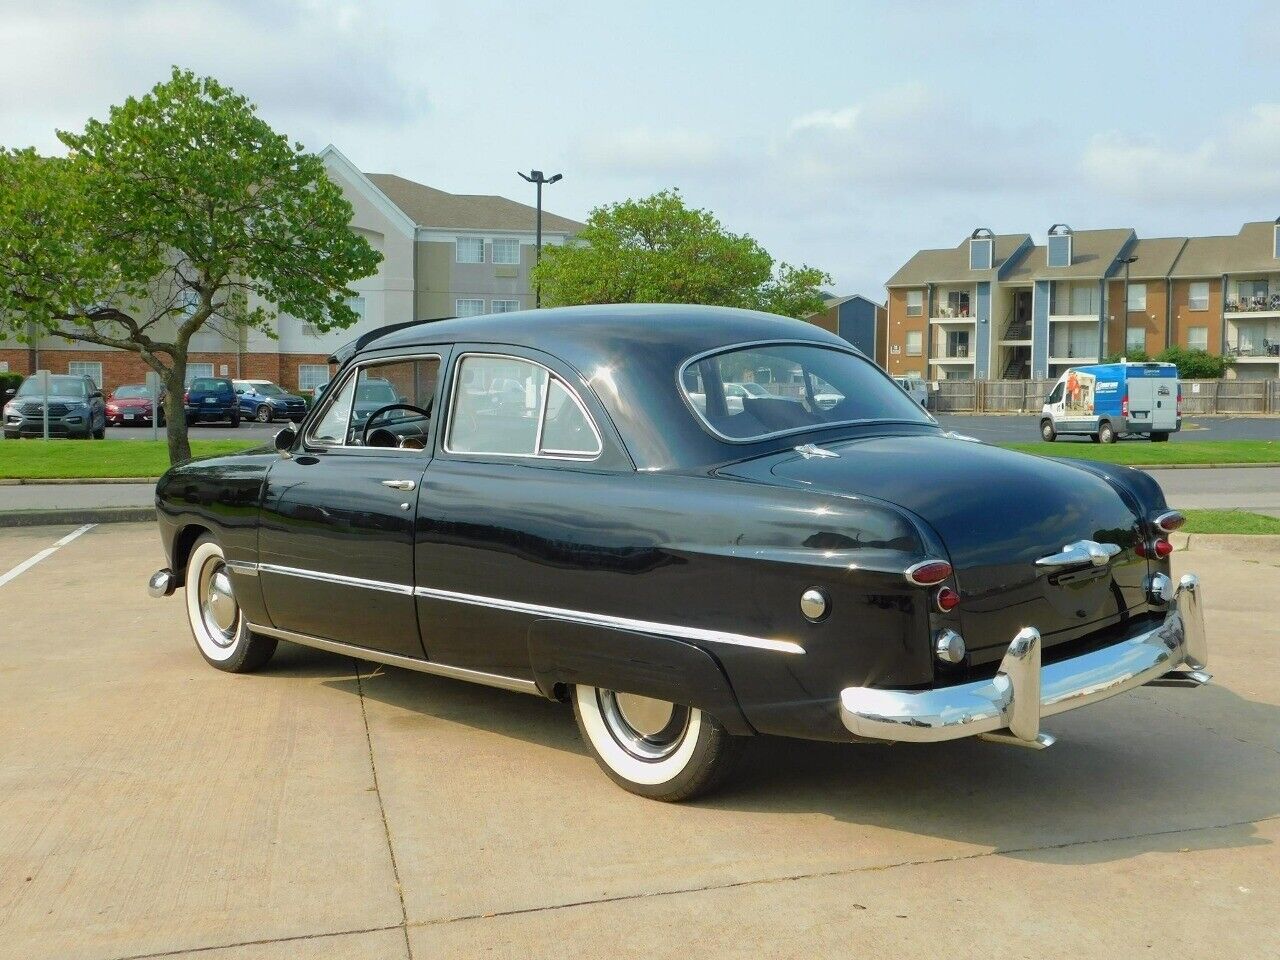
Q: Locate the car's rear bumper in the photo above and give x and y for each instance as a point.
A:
(1011, 704)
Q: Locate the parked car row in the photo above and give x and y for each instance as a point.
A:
(78, 409)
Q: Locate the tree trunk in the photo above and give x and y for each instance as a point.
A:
(175, 410)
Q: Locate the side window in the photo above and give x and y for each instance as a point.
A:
(404, 384)
(331, 429)
(1056, 394)
(514, 407)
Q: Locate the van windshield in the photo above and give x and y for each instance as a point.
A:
(755, 392)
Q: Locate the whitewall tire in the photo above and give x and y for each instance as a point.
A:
(220, 630)
(656, 749)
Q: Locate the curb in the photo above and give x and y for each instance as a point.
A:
(1254, 543)
(1195, 466)
(42, 518)
(70, 481)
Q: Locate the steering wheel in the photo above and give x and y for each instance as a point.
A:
(368, 423)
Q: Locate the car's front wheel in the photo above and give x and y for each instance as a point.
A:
(660, 750)
(220, 629)
(263, 413)
(1047, 431)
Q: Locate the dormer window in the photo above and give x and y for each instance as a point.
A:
(981, 252)
(1059, 251)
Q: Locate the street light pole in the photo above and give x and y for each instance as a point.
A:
(1125, 331)
(535, 177)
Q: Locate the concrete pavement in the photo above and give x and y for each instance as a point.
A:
(150, 805)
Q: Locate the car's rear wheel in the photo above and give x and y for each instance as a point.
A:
(660, 750)
(1047, 431)
(218, 625)
(1106, 433)
(263, 413)
(235, 420)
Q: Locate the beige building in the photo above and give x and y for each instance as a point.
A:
(443, 254)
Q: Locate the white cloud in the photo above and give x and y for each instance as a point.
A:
(649, 152)
(843, 119)
(1234, 163)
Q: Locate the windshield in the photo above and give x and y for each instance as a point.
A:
(58, 387)
(376, 391)
(132, 392)
(755, 392)
(260, 387)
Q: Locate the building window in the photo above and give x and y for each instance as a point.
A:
(504, 306)
(1137, 298)
(312, 376)
(915, 341)
(188, 301)
(195, 370)
(357, 305)
(1199, 296)
(915, 303)
(1059, 252)
(86, 368)
(1075, 300)
(1135, 339)
(506, 250)
(1198, 338)
(469, 250)
(468, 308)
(980, 254)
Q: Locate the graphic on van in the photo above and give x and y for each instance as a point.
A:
(1079, 392)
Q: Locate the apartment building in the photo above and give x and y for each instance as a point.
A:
(999, 306)
(444, 254)
(857, 319)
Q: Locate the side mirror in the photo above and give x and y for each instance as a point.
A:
(285, 439)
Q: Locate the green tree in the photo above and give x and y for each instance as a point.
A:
(1192, 364)
(183, 208)
(657, 250)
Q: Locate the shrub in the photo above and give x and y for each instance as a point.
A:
(10, 381)
(1196, 364)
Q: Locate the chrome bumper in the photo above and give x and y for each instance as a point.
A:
(1009, 706)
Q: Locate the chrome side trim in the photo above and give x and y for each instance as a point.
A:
(621, 623)
(557, 613)
(246, 567)
(337, 578)
(396, 660)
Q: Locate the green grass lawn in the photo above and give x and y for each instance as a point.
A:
(70, 459)
(1146, 453)
(1229, 521)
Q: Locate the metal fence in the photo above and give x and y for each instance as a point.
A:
(1027, 396)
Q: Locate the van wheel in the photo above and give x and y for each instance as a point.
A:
(1106, 433)
(660, 750)
(1047, 432)
(1159, 437)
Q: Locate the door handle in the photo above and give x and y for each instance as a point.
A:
(399, 484)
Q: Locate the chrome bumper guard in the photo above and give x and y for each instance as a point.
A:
(1008, 708)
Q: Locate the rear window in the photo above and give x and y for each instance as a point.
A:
(751, 393)
(215, 386)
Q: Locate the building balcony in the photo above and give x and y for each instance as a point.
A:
(1260, 305)
(1073, 318)
(1072, 361)
(959, 357)
(1256, 340)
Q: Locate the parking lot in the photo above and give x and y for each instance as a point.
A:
(152, 806)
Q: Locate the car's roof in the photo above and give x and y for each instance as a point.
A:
(629, 356)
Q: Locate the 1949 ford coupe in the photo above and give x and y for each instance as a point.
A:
(694, 524)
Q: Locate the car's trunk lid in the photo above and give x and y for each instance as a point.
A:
(996, 512)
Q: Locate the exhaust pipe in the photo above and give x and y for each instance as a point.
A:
(162, 583)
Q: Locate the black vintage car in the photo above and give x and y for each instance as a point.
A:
(566, 503)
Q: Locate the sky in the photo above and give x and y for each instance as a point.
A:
(845, 135)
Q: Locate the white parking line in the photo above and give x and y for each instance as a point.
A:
(30, 562)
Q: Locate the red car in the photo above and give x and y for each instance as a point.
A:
(130, 405)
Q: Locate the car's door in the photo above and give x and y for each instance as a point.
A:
(503, 522)
(336, 544)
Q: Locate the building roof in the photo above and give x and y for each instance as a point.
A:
(1155, 258)
(830, 300)
(1249, 250)
(429, 207)
(1092, 254)
(951, 265)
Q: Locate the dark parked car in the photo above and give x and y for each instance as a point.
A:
(264, 401)
(211, 399)
(130, 405)
(76, 409)
(545, 507)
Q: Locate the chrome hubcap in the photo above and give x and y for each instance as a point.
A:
(646, 728)
(218, 605)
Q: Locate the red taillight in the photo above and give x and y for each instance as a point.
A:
(1162, 548)
(1169, 522)
(186, 396)
(1179, 399)
(1124, 405)
(947, 599)
(928, 572)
